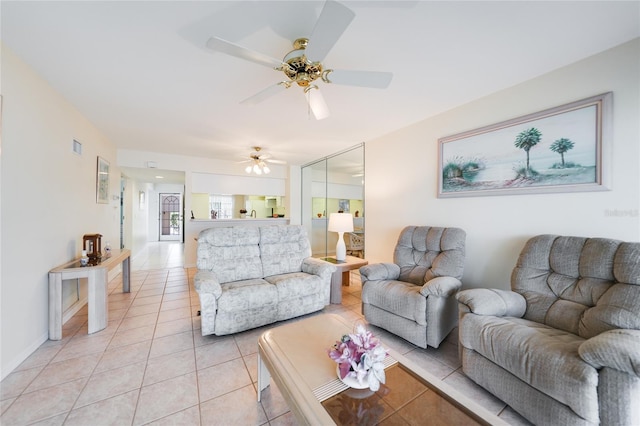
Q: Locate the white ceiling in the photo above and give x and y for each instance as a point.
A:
(141, 73)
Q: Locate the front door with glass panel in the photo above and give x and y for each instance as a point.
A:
(170, 217)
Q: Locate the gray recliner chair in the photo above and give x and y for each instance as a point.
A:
(414, 297)
(563, 346)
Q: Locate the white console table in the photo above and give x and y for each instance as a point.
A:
(97, 277)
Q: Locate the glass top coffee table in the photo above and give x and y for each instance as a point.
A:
(295, 357)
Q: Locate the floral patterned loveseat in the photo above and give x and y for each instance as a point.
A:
(249, 276)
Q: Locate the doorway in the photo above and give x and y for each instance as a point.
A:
(171, 217)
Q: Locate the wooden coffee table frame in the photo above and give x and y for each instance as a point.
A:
(294, 356)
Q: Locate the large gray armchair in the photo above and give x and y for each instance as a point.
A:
(563, 346)
(413, 297)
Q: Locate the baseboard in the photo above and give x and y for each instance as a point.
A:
(68, 314)
(24, 355)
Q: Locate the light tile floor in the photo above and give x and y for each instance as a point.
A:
(152, 366)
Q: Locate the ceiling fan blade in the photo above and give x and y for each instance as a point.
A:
(276, 161)
(332, 22)
(316, 103)
(224, 46)
(374, 79)
(264, 94)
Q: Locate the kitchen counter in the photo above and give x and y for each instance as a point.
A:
(247, 219)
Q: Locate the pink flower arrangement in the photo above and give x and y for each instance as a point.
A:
(360, 355)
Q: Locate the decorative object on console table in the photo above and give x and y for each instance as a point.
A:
(340, 223)
(92, 244)
(102, 181)
(84, 259)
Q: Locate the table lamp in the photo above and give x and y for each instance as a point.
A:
(340, 223)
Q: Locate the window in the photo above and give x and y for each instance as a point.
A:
(222, 205)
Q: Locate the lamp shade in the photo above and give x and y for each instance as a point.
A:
(340, 222)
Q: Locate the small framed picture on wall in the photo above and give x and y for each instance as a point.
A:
(102, 181)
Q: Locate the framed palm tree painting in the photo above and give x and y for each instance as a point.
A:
(562, 149)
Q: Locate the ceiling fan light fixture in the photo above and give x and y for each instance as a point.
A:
(258, 162)
(258, 167)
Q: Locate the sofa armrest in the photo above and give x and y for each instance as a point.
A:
(492, 301)
(379, 271)
(207, 282)
(618, 349)
(441, 286)
(314, 266)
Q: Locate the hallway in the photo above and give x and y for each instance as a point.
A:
(159, 255)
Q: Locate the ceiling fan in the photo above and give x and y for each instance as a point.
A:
(298, 67)
(258, 161)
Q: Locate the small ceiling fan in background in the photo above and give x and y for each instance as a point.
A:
(302, 66)
(258, 160)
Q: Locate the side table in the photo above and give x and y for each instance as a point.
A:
(341, 276)
(97, 277)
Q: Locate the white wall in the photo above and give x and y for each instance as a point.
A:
(48, 201)
(234, 184)
(136, 219)
(294, 195)
(401, 173)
